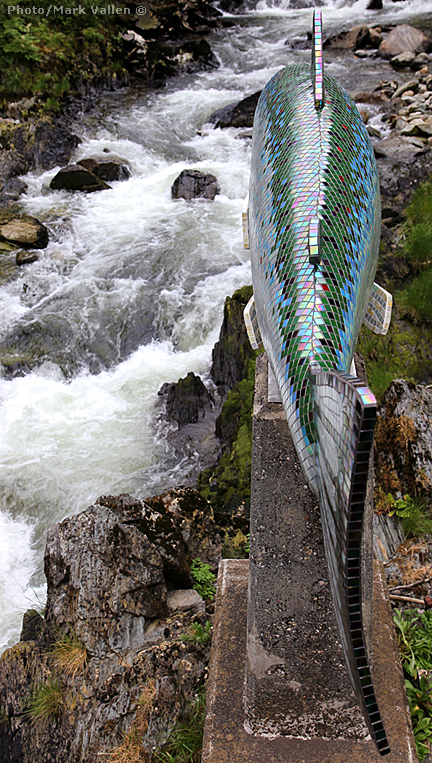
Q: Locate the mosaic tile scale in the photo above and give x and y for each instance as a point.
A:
(313, 232)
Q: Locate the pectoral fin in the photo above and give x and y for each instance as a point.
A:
(378, 313)
(252, 328)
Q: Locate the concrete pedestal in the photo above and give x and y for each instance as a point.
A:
(278, 688)
(225, 737)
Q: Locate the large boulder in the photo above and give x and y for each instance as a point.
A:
(357, 38)
(76, 178)
(178, 523)
(112, 684)
(187, 400)
(105, 581)
(404, 38)
(106, 169)
(22, 230)
(193, 184)
(238, 114)
(403, 440)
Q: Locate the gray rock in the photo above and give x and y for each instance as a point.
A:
(388, 535)
(193, 184)
(179, 523)
(404, 38)
(76, 178)
(106, 169)
(187, 400)
(105, 581)
(188, 600)
(232, 352)
(238, 114)
(402, 60)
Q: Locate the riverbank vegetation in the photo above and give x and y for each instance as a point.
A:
(405, 352)
(48, 50)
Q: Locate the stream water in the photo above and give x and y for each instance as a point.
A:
(129, 292)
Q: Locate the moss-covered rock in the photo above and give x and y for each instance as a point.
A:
(227, 486)
(232, 352)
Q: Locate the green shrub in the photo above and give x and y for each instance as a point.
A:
(46, 702)
(204, 579)
(414, 636)
(418, 244)
(42, 53)
(198, 634)
(414, 513)
(236, 547)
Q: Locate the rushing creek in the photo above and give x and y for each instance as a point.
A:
(129, 293)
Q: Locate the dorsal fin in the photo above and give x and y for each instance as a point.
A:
(317, 72)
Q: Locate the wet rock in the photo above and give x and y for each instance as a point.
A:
(357, 38)
(398, 148)
(420, 61)
(239, 114)
(106, 169)
(26, 258)
(412, 84)
(22, 230)
(187, 400)
(232, 352)
(403, 440)
(77, 178)
(193, 184)
(404, 38)
(179, 523)
(403, 60)
(105, 581)
(34, 627)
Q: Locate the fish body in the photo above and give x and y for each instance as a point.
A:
(313, 228)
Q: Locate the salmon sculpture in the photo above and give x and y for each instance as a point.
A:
(313, 229)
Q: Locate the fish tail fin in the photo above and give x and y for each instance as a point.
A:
(317, 71)
(345, 413)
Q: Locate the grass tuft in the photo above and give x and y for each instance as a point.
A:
(131, 749)
(46, 703)
(185, 742)
(69, 654)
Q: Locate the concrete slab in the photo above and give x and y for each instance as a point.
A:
(296, 678)
(225, 737)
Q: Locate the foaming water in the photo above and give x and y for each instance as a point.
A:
(129, 292)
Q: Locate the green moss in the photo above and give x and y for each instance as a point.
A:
(416, 300)
(227, 486)
(405, 352)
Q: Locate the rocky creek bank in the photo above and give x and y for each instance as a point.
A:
(109, 652)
